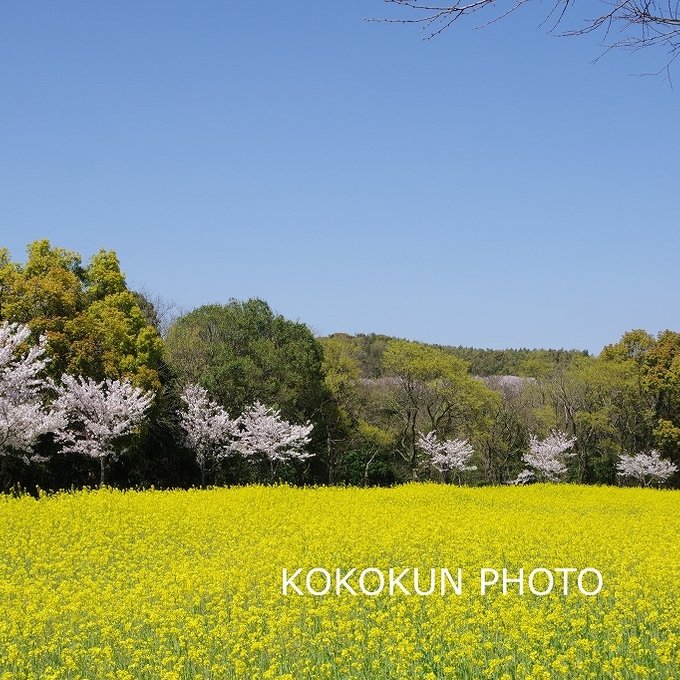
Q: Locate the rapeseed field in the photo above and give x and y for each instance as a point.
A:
(188, 584)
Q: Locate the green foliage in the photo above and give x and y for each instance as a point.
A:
(423, 363)
(452, 400)
(425, 388)
(103, 276)
(655, 366)
(242, 352)
(94, 324)
(369, 396)
(369, 351)
(341, 366)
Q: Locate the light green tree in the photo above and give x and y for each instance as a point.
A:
(428, 389)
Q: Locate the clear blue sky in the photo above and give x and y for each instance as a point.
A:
(490, 188)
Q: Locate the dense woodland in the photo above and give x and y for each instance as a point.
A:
(370, 398)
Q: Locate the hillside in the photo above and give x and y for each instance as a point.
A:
(483, 362)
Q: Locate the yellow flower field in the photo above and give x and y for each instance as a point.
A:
(125, 585)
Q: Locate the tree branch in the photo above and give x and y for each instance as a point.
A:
(649, 22)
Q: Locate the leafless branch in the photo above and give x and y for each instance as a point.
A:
(641, 23)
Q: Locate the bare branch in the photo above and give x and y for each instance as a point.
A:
(643, 23)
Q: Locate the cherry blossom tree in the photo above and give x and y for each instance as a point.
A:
(545, 458)
(646, 468)
(24, 418)
(448, 455)
(263, 433)
(209, 431)
(524, 477)
(99, 416)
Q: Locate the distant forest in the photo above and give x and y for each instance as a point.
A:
(372, 400)
(481, 362)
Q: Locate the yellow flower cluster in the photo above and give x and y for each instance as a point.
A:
(168, 585)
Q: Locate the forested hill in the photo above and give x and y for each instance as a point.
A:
(483, 362)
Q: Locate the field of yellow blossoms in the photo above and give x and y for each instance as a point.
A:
(128, 585)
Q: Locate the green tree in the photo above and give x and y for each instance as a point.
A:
(341, 408)
(655, 364)
(430, 389)
(512, 418)
(94, 324)
(603, 409)
(242, 352)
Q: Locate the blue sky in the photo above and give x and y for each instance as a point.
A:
(491, 187)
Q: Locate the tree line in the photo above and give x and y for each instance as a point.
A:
(234, 393)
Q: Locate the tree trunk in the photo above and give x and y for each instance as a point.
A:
(368, 465)
(331, 461)
(102, 471)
